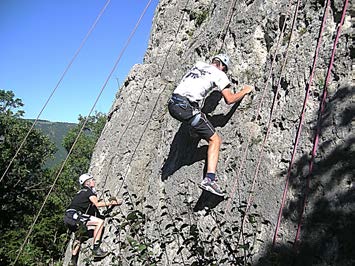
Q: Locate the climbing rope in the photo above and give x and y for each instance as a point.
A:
(269, 121)
(320, 112)
(57, 85)
(276, 93)
(147, 124)
(245, 153)
(123, 133)
(299, 130)
(141, 137)
(137, 102)
(271, 115)
(81, 130)
(249, 201)
(222, 34)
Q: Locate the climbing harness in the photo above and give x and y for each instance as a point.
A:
(73, 219)
(184, 110)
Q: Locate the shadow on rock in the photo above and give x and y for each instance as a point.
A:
(183, 151)
(328, 225)
(207, 200)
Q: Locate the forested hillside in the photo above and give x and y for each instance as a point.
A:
(56, 131)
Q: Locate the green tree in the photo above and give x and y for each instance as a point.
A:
(79, 159)
(8, 104)
(25, 182)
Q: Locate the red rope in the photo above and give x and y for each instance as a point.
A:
(275, 98)
(245, 152)
(321, 109)
(274, 101)
(299, 130)
(271, 115)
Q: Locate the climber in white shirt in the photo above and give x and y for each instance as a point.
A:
(186, 103)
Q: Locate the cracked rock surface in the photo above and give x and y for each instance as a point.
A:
(152, 161)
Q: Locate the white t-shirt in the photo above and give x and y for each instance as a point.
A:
(200, 80)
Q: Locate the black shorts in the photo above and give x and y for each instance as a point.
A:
(204, 127)
(183, 110)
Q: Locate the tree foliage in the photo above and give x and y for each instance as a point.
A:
(8, 104)
(27, 183)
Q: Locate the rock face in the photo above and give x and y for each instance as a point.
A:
(150, 159)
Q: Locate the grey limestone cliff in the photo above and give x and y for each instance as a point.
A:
(152, 161)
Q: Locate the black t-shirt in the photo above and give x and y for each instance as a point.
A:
(81, 202)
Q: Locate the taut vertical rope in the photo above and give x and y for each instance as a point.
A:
(321, 109)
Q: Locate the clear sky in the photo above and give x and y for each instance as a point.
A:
(40, 37)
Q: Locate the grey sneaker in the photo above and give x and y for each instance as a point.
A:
(211, 186)
(99, 253)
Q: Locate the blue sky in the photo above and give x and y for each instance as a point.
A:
(40, 37)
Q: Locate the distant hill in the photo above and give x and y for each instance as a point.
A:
(56, 131)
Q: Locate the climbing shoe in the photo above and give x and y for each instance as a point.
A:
(99, 253)
(211, 186)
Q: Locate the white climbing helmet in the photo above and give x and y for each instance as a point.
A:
(84, 177)
(223, 58)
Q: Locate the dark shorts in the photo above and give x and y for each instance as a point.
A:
(204, 128)
(183, 110)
